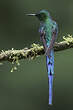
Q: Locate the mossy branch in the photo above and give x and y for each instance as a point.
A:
(35, 50)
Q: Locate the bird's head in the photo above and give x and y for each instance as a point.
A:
(43, 15)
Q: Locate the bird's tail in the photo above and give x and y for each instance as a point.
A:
(50, 89)
(50, 70)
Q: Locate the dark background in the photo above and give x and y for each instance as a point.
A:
(27, 88)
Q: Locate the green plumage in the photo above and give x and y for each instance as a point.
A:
(49, 26)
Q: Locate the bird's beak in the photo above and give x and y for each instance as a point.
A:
(31, 14)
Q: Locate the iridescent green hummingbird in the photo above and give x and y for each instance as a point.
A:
(48, 34)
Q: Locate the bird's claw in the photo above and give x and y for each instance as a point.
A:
(47, 54)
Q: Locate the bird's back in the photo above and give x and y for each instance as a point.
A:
(48, 27)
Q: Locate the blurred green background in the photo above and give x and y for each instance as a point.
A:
(27, 88)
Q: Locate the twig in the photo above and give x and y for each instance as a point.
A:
(35, 50)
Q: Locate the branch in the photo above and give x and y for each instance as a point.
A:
(35, 50)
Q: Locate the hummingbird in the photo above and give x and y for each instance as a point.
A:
(48, 34)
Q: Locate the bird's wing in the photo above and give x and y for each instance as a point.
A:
(54, 36)
(52, 41)
(42, 37)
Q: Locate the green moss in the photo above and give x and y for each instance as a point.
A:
(15, 63)
(68, 39)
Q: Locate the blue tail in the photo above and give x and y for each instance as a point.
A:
(50, 70)
(50, 88)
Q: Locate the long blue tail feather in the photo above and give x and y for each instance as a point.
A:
(50, 70)
(50, 88)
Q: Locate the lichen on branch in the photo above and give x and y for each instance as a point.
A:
(35, 50)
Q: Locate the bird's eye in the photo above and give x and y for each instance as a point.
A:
(43, 15)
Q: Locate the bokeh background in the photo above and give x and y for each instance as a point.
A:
(27, 88)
